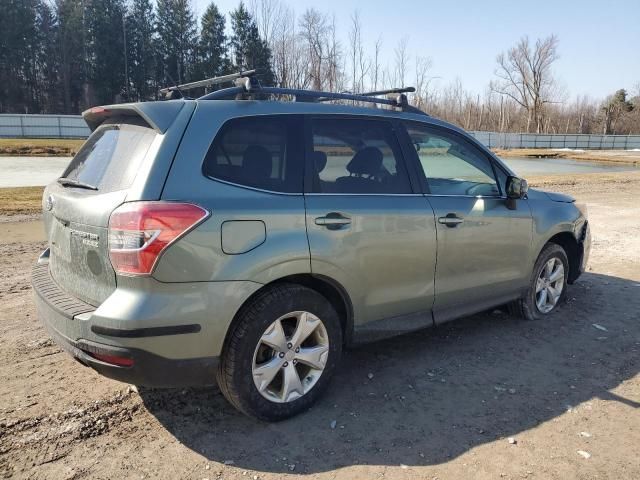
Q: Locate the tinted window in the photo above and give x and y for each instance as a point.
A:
(256, 152)
(357, 156)
(452, 166)
(111, 157)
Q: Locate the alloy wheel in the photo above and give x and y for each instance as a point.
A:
(549, 285)
(290, 357)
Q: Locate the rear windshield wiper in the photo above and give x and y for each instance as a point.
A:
(75, 183)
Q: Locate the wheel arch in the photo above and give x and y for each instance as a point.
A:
(333, 291)
(572, 248)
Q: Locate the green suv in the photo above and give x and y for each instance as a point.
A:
(247, 242)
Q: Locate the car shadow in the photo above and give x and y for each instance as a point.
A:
(430, 396)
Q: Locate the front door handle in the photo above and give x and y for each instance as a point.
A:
(333, 221)
(451, 220)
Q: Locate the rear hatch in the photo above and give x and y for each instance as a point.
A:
(78, 205)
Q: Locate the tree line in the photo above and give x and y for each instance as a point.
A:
(62, 56)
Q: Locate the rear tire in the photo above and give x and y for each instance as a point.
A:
(547, 286)
(280, 353)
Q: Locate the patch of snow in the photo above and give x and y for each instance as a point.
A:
(568, 150)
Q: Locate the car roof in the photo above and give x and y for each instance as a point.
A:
(266, 107)
(160, 114)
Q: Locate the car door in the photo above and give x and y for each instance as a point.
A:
(483, 238)
(368, 229)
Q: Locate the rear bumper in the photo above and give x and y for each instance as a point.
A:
(170, 334)
(148, 369)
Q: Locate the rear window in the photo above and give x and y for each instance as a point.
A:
(256, 152)
(111, 157)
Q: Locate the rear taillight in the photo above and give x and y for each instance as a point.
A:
(140, 231)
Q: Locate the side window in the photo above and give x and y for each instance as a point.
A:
(255, 152)
(452, 166)
(357, 156)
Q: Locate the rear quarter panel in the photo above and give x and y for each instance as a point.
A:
(199, 256)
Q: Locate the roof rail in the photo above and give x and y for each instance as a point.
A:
(250, 86)
(209, 81)
(391, 90)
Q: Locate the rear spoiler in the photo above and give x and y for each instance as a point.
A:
(159, 115)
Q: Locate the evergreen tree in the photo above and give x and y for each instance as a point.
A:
(70, 43)
(105, 44)
(140, 49)
(614, 107)
(48, 59)
(177, 40)
(18, 44)
(249, 50)
(212, 47)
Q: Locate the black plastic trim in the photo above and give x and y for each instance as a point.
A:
(59, 300)
(146, 332)
(149, 370)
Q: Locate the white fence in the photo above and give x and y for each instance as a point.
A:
(73, 126)
(43, 126)
(573, 141)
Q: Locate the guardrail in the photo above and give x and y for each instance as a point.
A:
(73, 126)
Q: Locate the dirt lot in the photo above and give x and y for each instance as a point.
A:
(440, 404)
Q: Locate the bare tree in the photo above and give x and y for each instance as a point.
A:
(334, 58)
(401, 61)
(525, 76)
(266, 13)
(423, 81)
(359, 62)
(314, 28)
(289, 67)
(375, 73)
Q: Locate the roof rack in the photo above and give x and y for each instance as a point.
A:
(208, 82)
(247, 86)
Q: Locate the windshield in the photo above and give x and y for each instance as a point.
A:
(110, 158)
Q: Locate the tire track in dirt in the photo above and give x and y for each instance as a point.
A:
(42, 439)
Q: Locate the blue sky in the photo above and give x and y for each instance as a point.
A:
(599, 40)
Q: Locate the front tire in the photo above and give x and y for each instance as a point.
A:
(280, 353)
(547, 287)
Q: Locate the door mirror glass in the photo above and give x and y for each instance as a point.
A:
(517, 187)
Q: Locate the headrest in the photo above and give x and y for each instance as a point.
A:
(366, 161)
(257, 161)
(319, 160)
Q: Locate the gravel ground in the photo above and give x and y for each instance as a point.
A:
(489, 396)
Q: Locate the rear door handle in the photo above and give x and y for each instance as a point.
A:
(451, 220)
(333, 220)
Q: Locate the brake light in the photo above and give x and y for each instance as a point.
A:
(99, 111)
(140, 231)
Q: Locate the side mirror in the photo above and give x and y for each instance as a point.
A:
(517, 188)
